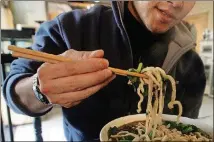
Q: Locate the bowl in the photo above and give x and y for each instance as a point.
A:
(141, 117)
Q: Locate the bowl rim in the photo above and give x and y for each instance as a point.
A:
(140, 117)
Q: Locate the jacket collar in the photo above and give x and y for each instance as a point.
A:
(118, 12)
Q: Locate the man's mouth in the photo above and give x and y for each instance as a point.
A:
(166, 13)
(165, 16)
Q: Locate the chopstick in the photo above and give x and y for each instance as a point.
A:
(37, 58)
(50, 58)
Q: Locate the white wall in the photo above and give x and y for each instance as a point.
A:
(26, 12)
(6, 18)
(204, 6)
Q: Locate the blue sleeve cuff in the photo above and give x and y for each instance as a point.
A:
(9, 92)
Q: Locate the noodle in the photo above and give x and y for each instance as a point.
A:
(168, 77)
(171, 105)
(140, 91)
(149, 106)
(156, 75)
(152, 129)
(155, 79)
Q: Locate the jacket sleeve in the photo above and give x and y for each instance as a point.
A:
(194, 83)
(47, 39)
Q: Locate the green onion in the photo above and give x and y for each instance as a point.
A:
(138, 70)
(187, 130)
(140, 67)
(150, 134)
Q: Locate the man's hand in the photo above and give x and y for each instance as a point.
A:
(68, 83)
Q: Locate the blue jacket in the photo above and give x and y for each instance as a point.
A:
(102, 27)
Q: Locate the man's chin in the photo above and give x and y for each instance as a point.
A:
(159, 29)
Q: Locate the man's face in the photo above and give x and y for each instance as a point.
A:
(160, 16)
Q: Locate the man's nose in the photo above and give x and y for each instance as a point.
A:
(177, 4)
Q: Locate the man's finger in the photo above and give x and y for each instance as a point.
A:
(79, 55)
(76, 82)
(64, 69)
(69, 105)
(97, 54)
(81, 95)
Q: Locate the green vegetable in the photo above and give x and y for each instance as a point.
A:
(113, 131)
(196, 129)
(131, 78)
(168, 126)
(136, 80)
(185, 128)
(150, 135)
(171, 124)
(128, 138)
(140, 67)
(138, 70)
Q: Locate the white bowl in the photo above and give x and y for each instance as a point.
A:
(141, 117)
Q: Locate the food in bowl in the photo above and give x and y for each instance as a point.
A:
(153, 87)
(167, 131)
(154, 127)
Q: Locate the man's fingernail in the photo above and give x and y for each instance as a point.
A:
(104, 63)
(113, 77)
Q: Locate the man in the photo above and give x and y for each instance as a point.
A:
(126, 34)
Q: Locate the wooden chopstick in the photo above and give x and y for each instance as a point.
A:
(38, 53)
(50, 58)
(37, 58)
